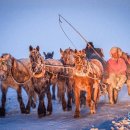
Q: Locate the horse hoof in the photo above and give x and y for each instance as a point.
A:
(27, 111)
(64, 109)
(41, 115)
(49, 113)
(76, 116)
(33, 105)
(2, 112)
(23, 111)
(93, 112)
(112, 103)
(69, 109)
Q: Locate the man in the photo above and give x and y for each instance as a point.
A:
(116, 70)
(92, 52)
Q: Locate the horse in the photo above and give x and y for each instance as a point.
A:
(15, 73)
(87, 75)
(113, 82)
(41, 82)
(50, 55)
(97, 53)
(67, 59)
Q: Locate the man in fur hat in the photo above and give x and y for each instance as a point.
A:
(116, 69)
(95, 53)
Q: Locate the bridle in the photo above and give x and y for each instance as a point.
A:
(38, 66)
(7, 71)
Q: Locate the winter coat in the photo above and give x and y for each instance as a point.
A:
(116, 66)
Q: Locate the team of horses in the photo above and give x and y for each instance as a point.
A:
(73, 75)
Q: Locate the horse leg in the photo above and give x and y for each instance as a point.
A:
(53, 92)
(128, 86)
(115, 96)
(49, 106)
(41, 106)
(69, 94)
(61, 89)
(27, 111)
(33, 99)
(20, 100)
(31, 102)
(77, 102)
(3, 101)
(110, 94)
(95, 94)
(90, 101)
(28, 107)
(82, 98)
(69, 103)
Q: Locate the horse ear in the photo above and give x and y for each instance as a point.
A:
(52, 53)
(75, 50)
(61, 50)
(30, 48)
(44, 54)
(8, 56)
(38, 48)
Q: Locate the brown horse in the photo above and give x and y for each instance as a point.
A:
(15, 73)
(67, 59)
(86, 75)
(55, 68)
(48, 56)
(41, 82)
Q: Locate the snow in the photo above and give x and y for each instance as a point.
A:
(60, 120)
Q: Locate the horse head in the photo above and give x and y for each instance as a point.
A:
(37, 61)
(80, 57)
(48, 55)
(67, 56)
(5, 66)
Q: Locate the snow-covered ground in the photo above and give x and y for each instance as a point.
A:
(60, 120)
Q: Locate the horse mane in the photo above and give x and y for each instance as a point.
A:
(4, 54)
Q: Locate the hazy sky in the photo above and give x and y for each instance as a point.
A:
(35, 22)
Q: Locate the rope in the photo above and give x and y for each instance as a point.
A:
(59, 66)
(65, 33)
(73, 28)
(72, 69)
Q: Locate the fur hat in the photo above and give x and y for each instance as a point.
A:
(119, 52)
(116, 50)
(113, 50)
